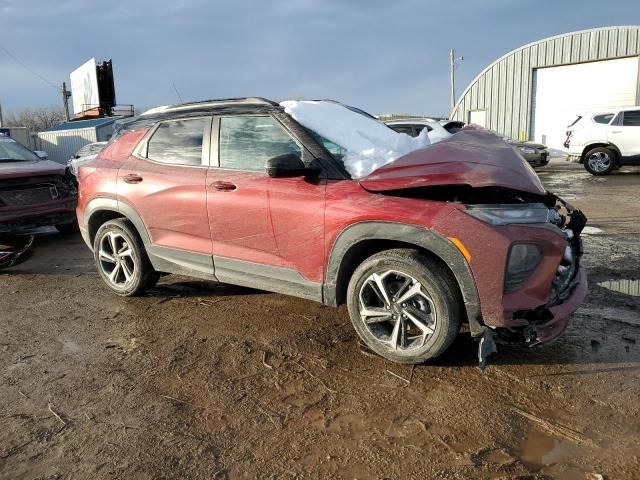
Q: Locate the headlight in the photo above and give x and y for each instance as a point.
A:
(499, 214)
(524, 258)
(527, 150)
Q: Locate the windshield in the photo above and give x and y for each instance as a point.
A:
(333, 148)
(362, 142)
(12, 151)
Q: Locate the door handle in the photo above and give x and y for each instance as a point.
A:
(616, 131)
(224, 186)
(132, 178)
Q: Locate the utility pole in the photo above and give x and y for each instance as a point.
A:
(1, 115)
(65, 100)
(452, 78)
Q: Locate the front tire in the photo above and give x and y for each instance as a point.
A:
(600, 161)
(404, 305)
(122, 260)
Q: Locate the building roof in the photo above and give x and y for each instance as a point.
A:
(93, 123)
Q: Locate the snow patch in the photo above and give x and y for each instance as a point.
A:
(369, 144)
(591, 230)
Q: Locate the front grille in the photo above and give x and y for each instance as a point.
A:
(28, 196)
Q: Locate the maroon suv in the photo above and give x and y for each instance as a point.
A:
(245, 192)
(34, 193)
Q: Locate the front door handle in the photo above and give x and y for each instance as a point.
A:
(616, 131)
(224, 186)
(132, 178)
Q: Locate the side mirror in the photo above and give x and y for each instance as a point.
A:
(41, 155)
(288, 165)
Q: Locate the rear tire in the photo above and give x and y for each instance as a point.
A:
(423, 314)
(122, 260)
(600, 161)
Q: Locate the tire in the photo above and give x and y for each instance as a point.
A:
(135, 273)
(68, 228)
(437, 293)
(15, 249)
(600, 161)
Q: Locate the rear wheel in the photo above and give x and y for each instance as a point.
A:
(121, 259)
(404, 305)
(600, 161)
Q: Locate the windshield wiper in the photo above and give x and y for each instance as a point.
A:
(12, 160)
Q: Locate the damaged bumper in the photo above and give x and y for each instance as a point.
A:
(561, 313)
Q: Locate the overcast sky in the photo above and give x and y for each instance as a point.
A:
(381, 55)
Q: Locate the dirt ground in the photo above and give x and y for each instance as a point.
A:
(198, 380)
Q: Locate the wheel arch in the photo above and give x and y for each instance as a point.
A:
(361, 240)
(593, 145)
(101, 210)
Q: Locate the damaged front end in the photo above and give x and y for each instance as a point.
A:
(29, 203)
(522, 242)
(568, 287)
(552, 290)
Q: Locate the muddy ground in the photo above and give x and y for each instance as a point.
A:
(206, 381)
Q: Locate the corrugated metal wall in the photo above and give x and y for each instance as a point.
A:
(61, 144)
(504, 89)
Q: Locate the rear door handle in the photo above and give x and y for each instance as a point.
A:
(224, 186)
(132, 178)
(616, 131)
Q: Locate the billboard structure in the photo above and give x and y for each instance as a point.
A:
(92, 89)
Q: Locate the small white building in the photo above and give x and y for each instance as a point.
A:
(64, 140)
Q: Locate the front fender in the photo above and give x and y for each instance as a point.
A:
(421, 237)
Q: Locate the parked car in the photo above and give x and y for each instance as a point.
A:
(535, 153)
(34, 192)
(437, 129)
(260, 194)
(85, 154)
(605, 139)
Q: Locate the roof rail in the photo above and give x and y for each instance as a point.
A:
(210, 103)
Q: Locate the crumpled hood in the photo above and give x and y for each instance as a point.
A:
(27, 169)
(472, 157)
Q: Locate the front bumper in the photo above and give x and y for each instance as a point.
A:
(31, 218)
(538, 159)
(561, 313)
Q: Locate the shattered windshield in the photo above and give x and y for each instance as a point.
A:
(12, 151)
(363, 143)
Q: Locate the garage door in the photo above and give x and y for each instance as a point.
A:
(561, 93)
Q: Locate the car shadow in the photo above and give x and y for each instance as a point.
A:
(199, 288)
(568, 350)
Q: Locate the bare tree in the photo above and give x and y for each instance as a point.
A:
(37, 119)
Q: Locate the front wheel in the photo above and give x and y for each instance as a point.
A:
(404, 305)
(600, 161)
(121, 259)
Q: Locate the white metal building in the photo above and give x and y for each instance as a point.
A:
(536, 91)
(64, 140)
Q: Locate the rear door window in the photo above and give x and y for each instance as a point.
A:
(631, 119)
(179, 142)
(246, 142)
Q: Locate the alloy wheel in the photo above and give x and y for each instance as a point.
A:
(116, 259)
(396, 310)
(599, 162)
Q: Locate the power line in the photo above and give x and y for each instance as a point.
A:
(27, 68)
